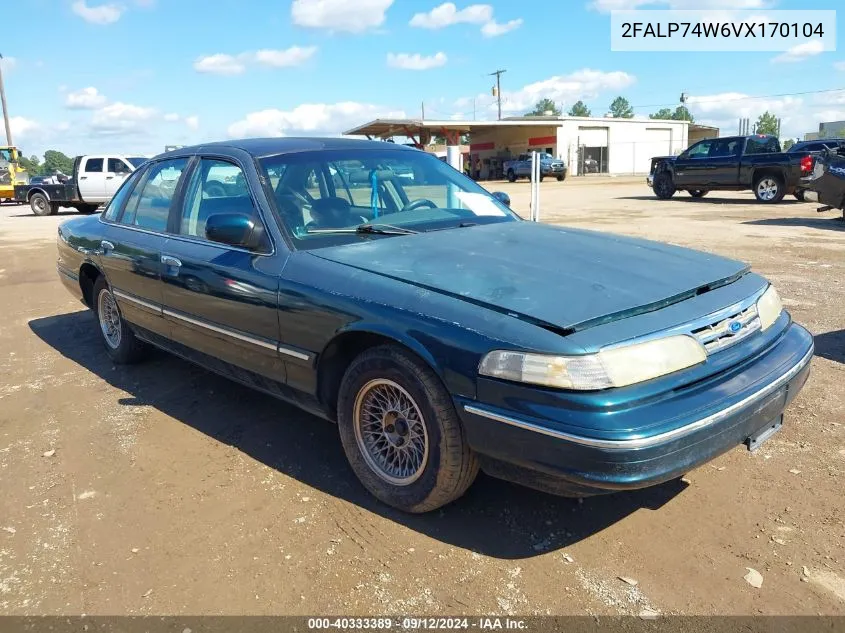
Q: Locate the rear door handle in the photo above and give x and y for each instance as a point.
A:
(167, 260)
(106, 246)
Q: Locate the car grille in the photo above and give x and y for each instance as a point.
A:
(728, 331)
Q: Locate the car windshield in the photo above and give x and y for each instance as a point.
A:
(137, 161)
(326, 197)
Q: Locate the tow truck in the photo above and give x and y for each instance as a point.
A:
(11, 173)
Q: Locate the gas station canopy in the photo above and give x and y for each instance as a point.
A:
(420, 131)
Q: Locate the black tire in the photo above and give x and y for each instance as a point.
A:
(447, 464)
(560, 178)
(697, 193)
(124, 348)
(663, 186)
(799, 195)
(511, 175)
(87, 209)
(541, 177)
(769, 188)
(40, 205)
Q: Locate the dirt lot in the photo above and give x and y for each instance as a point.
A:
(165, 489)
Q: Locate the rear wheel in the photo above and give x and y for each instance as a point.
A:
(87, 208)
(511, 175)
(120, 341)
(40, 205)
(560, 178)
(663, 186)
(697, 193)
(400, 431)
(769, 189)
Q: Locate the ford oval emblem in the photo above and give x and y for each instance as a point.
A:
(735, 327)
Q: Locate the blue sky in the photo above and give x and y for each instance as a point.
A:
(134, 75)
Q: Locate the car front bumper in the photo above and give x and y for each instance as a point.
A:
(551, 451)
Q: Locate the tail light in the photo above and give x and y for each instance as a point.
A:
(807, 164)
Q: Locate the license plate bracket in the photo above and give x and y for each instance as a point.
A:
(754, 441)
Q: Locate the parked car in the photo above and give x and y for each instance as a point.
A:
(813, 147)
(826, 185)
(733, 163)
(94, 181)
(521, 167)
(439, 330)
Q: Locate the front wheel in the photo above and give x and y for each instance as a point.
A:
(663, 186)
(560, 178)
(769, 189)
(697, 193)
(511, 175)
(400, 431)
(120, 341)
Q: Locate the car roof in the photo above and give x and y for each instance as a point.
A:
(263, 147)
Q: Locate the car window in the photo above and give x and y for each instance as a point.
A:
(149, 204)
(217, 186)
(115, 205)
(724, 147)
(762, 145)
(702, 150)
(117, 166)
(94, 165)
(318, 193)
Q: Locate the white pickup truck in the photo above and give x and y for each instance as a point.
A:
(95, 180)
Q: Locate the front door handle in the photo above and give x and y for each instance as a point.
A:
(106, 246)
(167, 260)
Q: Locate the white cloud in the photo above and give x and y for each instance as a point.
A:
(585, 84)
(225, 64)
(122, 118)
(340, 15)
(220, 64)
(293, 56)
(494, 29)
(606, 6)
(448, 14)
(798, 115)
(85, 99)
(193, 122)
(23, 128)
(416, 61)
(8, 64)
(100, 14)
(800, 52)
(171, 117)
(310, 119)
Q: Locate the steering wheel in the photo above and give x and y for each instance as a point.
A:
(418, 204)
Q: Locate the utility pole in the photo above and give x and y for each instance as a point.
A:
(5, 109)
(423, 110)
(497, 91)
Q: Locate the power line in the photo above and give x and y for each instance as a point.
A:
(745, 98)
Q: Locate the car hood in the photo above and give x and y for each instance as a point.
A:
(563, 278)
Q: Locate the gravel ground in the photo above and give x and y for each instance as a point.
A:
(165, 489)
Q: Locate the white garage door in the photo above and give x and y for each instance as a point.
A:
(592, 136)
(657, 142)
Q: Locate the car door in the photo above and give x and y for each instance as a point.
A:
(725, 154)
(692, 167)
(117, 170)
(92, 179)
(133, 234)
(221, 299)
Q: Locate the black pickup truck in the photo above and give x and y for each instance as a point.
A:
(731, 163)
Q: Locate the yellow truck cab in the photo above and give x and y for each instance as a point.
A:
(11, 173)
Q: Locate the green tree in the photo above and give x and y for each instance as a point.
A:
(579, 109)
(682, 113)
(543, 106)
(767, 123)
(32, 165)
(662, 113)
(56, 161)
(787, 144)
(621, 109)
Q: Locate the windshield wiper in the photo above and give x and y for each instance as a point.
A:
(367, 229)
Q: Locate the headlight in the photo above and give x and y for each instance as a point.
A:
(769, 308)
(612, 367)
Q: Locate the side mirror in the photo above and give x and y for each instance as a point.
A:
(502, 197)
(233, 229)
